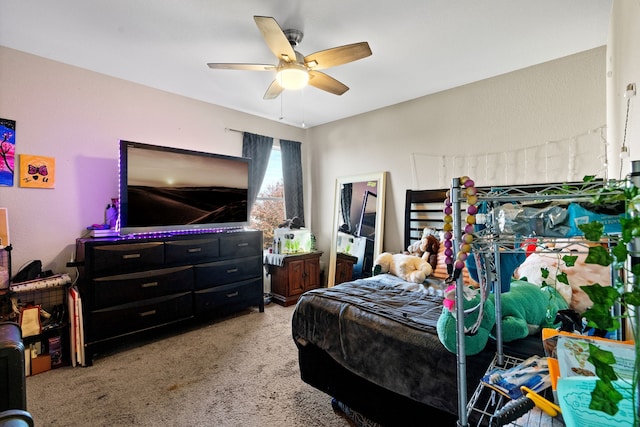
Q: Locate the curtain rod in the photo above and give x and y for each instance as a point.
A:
(242, 131)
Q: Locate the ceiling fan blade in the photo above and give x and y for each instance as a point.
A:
(273, 91)
(337, 55)
(249, 67)
(327, 83)
(275, 38)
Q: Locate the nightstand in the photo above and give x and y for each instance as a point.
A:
(297, 274)
(344, 267)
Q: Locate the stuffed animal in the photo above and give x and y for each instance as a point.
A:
(426, 247)
(526, 308)
(447, 325)
(408, 267)
(292, 223)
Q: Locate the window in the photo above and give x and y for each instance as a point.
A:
(268, 210)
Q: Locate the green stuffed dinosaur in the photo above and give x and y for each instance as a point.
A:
(526, 308)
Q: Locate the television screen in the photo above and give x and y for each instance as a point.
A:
(165, 189)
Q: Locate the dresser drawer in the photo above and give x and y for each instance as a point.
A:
(241, 245)
(122, 258)
(191, 251)
(123, 288)
(222, 272)
(126, 318)
(208, 301)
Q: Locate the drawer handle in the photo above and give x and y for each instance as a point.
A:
(243, 244)
(149, 285)
(232, 270)
(232, 294)
(131, 256)
(194, 250)
(147, 313)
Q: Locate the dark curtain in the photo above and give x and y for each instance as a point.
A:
(345, 204)
(258, 149)
(292, 175)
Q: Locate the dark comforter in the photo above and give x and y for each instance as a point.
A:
(386, 333)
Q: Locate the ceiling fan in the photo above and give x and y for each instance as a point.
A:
(293, 70)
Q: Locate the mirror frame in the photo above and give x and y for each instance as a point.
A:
(381, 178)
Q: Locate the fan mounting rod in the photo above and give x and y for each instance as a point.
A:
(294, 36)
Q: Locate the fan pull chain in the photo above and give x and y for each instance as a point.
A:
(302, 95)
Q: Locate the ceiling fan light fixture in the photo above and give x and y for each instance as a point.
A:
(293, 76)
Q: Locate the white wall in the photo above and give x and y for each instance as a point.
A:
(623, 67)
(553, 101)
(78, 117)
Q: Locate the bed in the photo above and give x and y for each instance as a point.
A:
(372, 343)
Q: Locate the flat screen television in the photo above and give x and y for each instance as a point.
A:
(164, 189)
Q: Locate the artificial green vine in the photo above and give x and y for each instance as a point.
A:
(625, 291)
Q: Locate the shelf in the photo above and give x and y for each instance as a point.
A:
(548, 192)
(491, 243)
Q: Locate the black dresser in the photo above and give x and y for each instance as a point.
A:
(130, 285)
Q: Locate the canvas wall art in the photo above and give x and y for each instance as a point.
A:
(7, 151)
(37, 171)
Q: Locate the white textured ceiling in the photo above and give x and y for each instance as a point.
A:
(419, 46)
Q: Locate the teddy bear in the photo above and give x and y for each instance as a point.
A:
(526, 309)
(427, 247)
(407, 267)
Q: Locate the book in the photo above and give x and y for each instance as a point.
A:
(574, 396)
(573, 354)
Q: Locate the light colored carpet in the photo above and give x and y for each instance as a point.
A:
(240, 371)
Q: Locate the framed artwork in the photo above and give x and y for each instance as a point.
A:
(37, 171)
(7, 151)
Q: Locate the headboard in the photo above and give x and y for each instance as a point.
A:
(423, 208)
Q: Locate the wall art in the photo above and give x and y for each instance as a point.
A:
(7, 151)
(37, 171)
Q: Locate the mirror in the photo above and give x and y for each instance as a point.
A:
(358, 226)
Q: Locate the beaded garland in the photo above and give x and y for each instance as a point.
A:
(470, 193)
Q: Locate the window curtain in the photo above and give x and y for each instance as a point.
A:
(258, 149)
(345, 205)
(292, 176)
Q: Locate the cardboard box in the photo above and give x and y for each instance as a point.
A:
(40, 364)
(293, 241)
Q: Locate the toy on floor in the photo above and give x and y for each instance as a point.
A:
(408, 267)
(526, 308)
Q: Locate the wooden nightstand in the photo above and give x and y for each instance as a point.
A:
(344, 267)
(297, 274)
